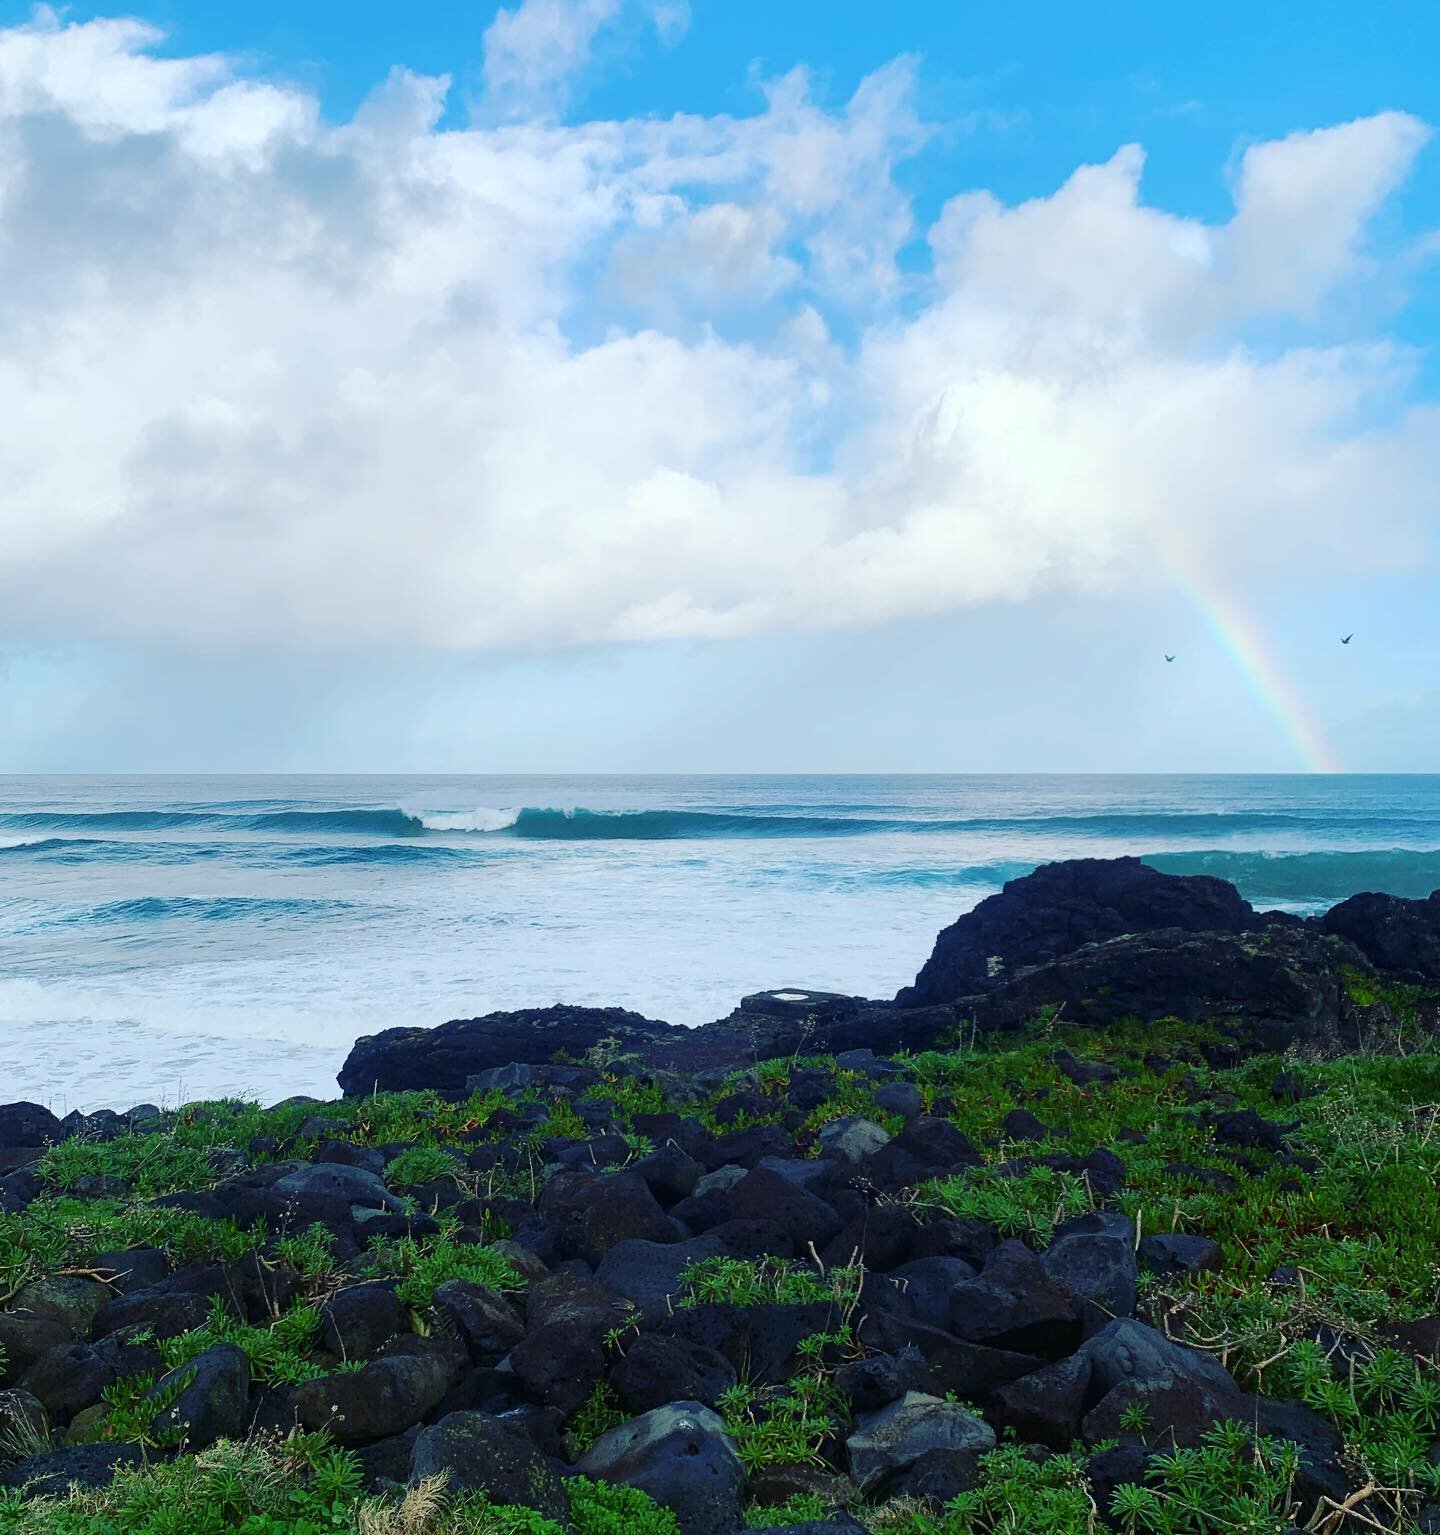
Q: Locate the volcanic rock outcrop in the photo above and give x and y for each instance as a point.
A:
(1093, 940)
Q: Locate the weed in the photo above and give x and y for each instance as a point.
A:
(422, 1263)
(278, 1354)
(745, 1282)
(420, 1164)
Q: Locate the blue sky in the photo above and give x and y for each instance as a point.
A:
(718, 387)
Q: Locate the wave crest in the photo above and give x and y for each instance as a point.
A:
(482, 819)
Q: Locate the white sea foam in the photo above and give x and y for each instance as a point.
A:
(483, 818)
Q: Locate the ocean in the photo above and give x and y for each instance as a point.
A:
(164, 939)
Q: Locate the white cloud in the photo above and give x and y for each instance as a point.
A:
(268, 379)
(534, 53)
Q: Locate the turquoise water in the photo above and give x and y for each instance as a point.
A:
(179, 937)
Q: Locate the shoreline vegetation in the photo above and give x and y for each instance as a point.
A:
(1124, 1216)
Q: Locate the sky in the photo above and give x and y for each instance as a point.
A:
(643, 385)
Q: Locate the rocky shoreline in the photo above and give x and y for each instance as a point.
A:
(1123, 1215)
(1093, 940)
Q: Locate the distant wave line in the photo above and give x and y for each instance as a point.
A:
(582, 824)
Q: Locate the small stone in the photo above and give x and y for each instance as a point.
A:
(894, 1438)
(852, 1138)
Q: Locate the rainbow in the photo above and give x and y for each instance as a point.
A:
(1241, 639)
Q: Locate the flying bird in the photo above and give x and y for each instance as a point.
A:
(1169, 658)
(1347, 639)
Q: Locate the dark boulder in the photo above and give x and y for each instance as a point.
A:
(1180, 1253)
(647, 1274)
(68, 1379)
(132, 1268)
(1094, 1258)
(621, 1208)
(765, 1194)
(874, 1382)
(382, 1399)
(682, 1456)
(23, 1340)
(1322, 1451)
(54, 1472)
(953, 1366)
(1124, 1366)
(902, 1098)
(475, 1452)
(204, 1399)
(669, 1173)
(656, 1370)
(313, 1187)
(1419, 1338)
(745, 1037)
(28, 1124)
(559, 1365)
(358, 1321)
(1022, 1125)
(880, 1236)
(450, 1057)
(1061, 907)
(1084, 1073)
(1244, 1127)
(938, 1476)
(1114, 1467)
(1014, 1304)
(927, 1284)
(1396, 935)
(445, 1058)
(73, 1301)
(161, 1312)
(1283, 980)
(487, 1324)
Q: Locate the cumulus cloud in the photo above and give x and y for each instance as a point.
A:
(385, 383)
(535, 52)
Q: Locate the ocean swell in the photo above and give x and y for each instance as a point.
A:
(1313, 878)
(582, 824)
(153, 908)
(374, 823)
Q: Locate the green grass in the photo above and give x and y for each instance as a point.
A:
(1031, 1203)
(1356, 1221)
(279, 1354)
(421, 1164)
(65, 1233)
(423, 1263)
(852, 1093)
(798, 1508)
(752, 1282)
(148, 1165)
(787, 1426)
(304, 1486)
(601, 1412)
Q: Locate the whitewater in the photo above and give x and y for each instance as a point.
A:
(165, 939)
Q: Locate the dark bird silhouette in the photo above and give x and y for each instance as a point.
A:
(1347, 639)
(1169, 658)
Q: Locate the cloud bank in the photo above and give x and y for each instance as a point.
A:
(534, 382)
